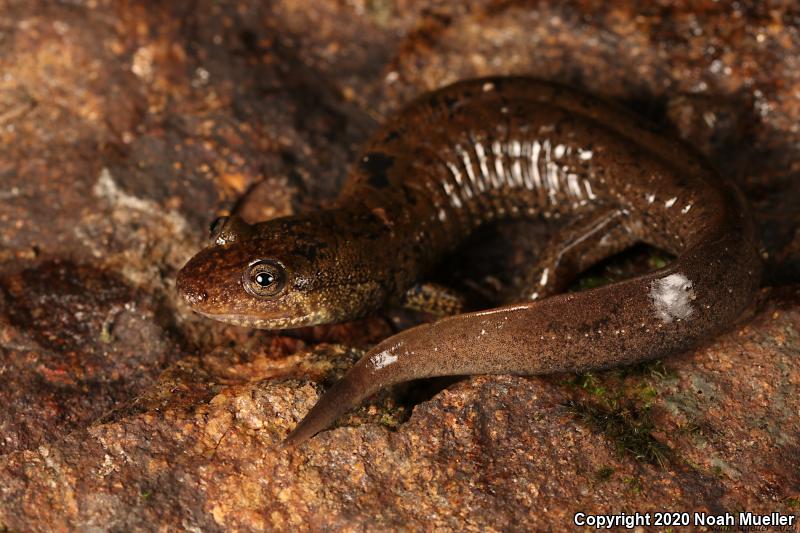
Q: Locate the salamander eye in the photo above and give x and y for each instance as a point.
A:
(264, 278)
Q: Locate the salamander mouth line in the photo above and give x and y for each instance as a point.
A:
(256, 322)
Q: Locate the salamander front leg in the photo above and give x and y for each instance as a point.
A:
(435, 299)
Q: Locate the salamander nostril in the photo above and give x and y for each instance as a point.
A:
(193, 296)
(191, 292)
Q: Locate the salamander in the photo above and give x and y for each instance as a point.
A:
(468, 154)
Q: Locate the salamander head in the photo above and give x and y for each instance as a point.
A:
(283, 273)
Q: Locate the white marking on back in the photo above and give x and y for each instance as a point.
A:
(455, 172)
(499, 169)
(468, 168)
(537, 178)
(484, 175)
(575, 189)
(452, 194)
(589, 191)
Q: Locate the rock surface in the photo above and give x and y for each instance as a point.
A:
(125, 127)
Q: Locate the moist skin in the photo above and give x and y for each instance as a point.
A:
(473, 153)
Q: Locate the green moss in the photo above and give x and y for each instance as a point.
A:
(393, 418)
(633, 485)
(690, 428)
(647, 393)
(633, 261)
(657, 259)
(603, 473)
(793, 503)
(590, 282)
(618, 404)
(653, 368)
(628, 427)
(589, 383)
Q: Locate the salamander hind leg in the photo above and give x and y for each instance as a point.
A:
(581, 243)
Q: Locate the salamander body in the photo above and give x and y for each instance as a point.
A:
(472, 153)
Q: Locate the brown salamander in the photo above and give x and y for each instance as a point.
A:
(475, 152)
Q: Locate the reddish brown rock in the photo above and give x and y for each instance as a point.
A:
(500, 452)
(75, 342)
(126, 127)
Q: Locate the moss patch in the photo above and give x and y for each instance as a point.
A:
(628, 427)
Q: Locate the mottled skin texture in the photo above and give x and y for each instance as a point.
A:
(478, 151)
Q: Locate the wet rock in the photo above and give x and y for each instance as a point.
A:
(499, 452)
(75, 342)
(125, 128)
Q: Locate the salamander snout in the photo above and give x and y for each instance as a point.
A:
(204, 281)
(192, 293)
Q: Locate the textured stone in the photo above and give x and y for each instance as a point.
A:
(126, 127)
(490, 452)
